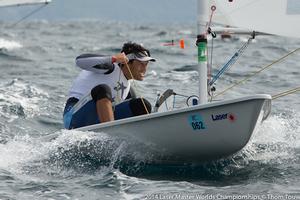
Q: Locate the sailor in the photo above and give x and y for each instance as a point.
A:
(101, 92)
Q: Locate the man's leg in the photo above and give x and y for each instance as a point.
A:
(101, 94)
(82, 114)
(132, 107)
(104, 110)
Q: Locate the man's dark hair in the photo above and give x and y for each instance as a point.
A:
(131, 47)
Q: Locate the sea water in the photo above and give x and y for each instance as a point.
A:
(37, 68)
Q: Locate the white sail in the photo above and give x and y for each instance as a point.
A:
(279, 17)
(4, 3)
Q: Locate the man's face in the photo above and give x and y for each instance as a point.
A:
(138, 69)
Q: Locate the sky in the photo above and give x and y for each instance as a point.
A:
(114, 10)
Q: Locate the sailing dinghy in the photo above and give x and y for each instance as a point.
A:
(16, 3)
(6, 3)
(208, 130)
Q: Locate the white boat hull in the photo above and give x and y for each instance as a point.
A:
(194, 134)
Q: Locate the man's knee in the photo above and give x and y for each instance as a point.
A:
(100, 92)
(139, 106)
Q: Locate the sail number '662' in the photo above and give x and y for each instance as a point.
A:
(196, 122)
(198, 125)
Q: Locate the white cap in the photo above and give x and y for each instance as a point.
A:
(141, 56)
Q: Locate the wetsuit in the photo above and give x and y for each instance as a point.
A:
(99, 78)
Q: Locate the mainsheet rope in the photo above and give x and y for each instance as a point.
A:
(285, 93)
(136, 86)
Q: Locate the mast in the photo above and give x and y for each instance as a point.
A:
(203, 16)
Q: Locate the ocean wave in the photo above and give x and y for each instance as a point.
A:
(7, 55)
(187, 68)
(9, 45)
(274, 142)
(82, 152)
(161, 33)
(19, 99)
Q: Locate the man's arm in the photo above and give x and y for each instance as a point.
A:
(95, 63)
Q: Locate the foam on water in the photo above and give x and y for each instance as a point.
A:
(71, 150)
(9, 44)
(20, 99)
(23, 150)
(276, 140)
